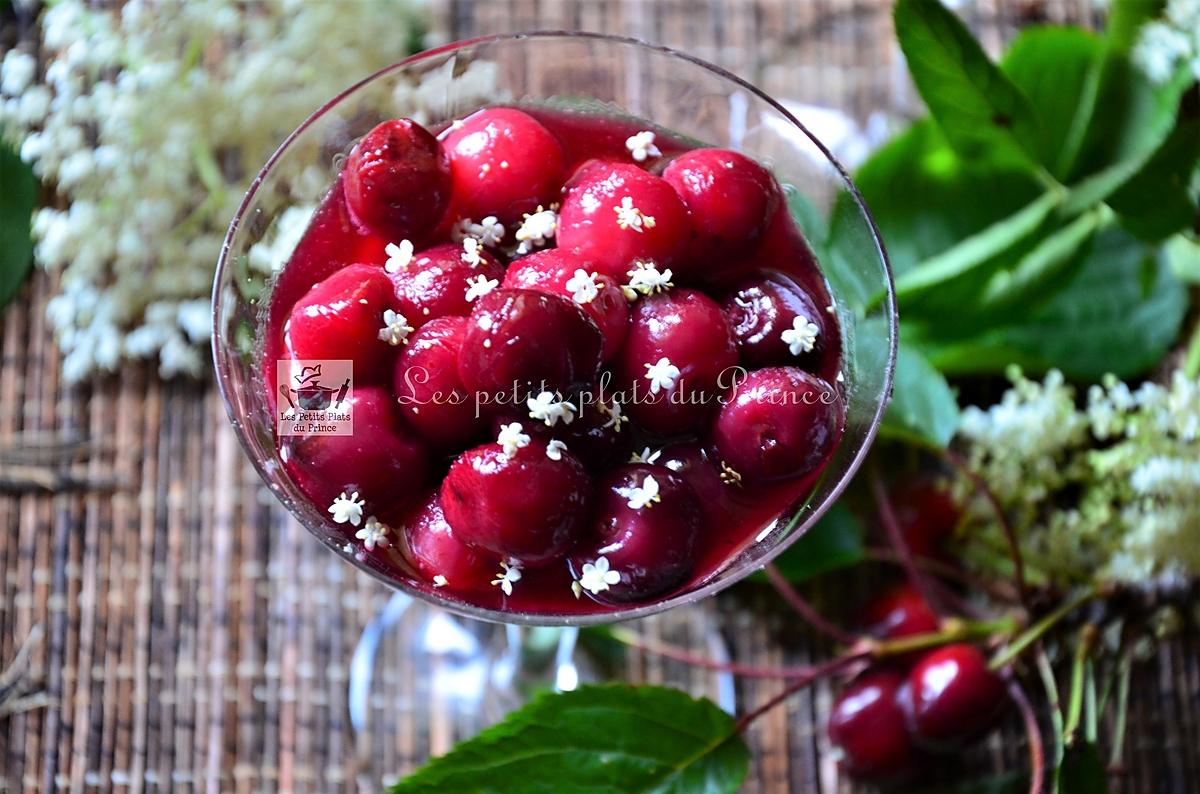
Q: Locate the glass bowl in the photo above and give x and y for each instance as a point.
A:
(587, 73)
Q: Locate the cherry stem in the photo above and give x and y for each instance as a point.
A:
(814, 673)
(806, 610)
(630, 638)
(1035, 632)
(953, 630)
(1118, 741)
(1037, 749)
(999, 590)
(896, 538)
(1087, 638)
(1046, 671)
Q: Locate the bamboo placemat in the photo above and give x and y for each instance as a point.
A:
(197, 639)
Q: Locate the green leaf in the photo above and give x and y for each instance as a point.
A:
(808, 217)
(1183, 257)
(833, 543)
(981, 112)
(923, 408)
(16, 208)
(596, 740)
(1082, 771)
(1046, 264)
(1156, 202)
(1125, 20)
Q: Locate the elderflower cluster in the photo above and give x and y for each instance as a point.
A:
(1166, 44)
(1109, 488)
(150, 119)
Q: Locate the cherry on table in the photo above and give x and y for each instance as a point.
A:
(775, 322)
(953, 696)
(429, 390)
(868, 726)
(397, 180)
(438, 281)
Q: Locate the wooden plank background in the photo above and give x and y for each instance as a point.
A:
(196, 639)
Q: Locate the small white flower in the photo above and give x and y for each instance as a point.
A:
(440, 581)
(643, 496)
(596, 577)
(555, 449)
(472, 252)
(583, 286)
(730, 475)
(347, 509)
(510, 573)
(576, 588)
(399, 256)
(615, 416)
(646, 456)
(480, 285)
(645, 278)
(546, 407)
(630, 217)
(662, 375)
(374, 533)
(802, 336)
(511, 438)
(395, 328)
(489, 231)
(641, 146)
(536, 230)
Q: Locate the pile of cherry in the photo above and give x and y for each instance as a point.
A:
(536, 327)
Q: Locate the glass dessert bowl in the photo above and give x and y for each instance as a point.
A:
(527, 327)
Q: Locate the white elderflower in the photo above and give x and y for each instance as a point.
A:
(547, 407)
(472, 252)
(662, 375)
(440, 581)
(347, 509)
(489, 231)
(395, 329)
(643, 495)
(510, 574)
(645, 456)
(583, 286)
(630, 217)
(615, 414)
(373, 534)
(596, 577)
(802, 336)
(536, 230)
(511, 438)
(641, 146)
(646, 279)
(555, 449)
(480, 285)
(399, 256)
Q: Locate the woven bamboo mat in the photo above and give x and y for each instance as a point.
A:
(196, 639)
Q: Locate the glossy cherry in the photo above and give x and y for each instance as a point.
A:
(592, 435)
(698, 465)
(398, 180)
(440, 556)
(679, 329)
(525, 342)
(521, 504)
(926, 514)
(775, 322)
(429, 390)
(436, 283)
(503, 163)
(954, 697)
(900, 611)
(867, 725)
(649, 541)
(779, 422)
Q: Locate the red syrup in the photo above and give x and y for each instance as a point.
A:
(732, 514)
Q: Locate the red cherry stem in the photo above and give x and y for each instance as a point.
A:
(805, 609)
(896, 538)
(815, 673)
(1037, 750)
(631, 638)
(997, 589)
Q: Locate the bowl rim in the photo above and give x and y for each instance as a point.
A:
(704, 590)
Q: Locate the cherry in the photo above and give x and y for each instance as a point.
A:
(341, 318)
(780, 422)
(398, 180)
(380, 459)
(429, 389)
(775, 322)
(730, 197)
(867, 725)
(440, 556)
(926, 514)
(518, 503)
(524, 342)
(615, 213)
(592, 435)
(647, 523)
(436, 283)
(683, 330)
(954, 696)
(503, 163)
(560, 272)
(699, 467)
(899, 612)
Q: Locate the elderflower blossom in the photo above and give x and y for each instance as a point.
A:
(1171, 42)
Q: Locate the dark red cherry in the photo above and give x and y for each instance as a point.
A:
(647, 521)
(779, 422)
(341, 318)
(560, 272)
(592, 434)
(954, 696)
(440, 556)
(398, 180)
(927, 515)
(775, 322)
(867, 726)
(430, 391)
(900, 611)
(527, 341)
(700, 468)
(615, 213)
(679, 342)
(730, 197)
(381, 460)
(504, 163)
(527, 503)
(444, 281)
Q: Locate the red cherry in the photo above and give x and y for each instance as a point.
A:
(526, 342)
(429, 389)
(592, 435)
(780, 422)
(436, 282)
(560, 272)
(380, 459)
(775, 322)
(867, 725)
(341, 317)
(614, 214)
(398, 180)
(926, 514)
(730, 197)
(524, 506)
(954, 697)
(686, 328)
(503, 163)
(436, 551)
(650, 545)
(899, 612)
(699, 467)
